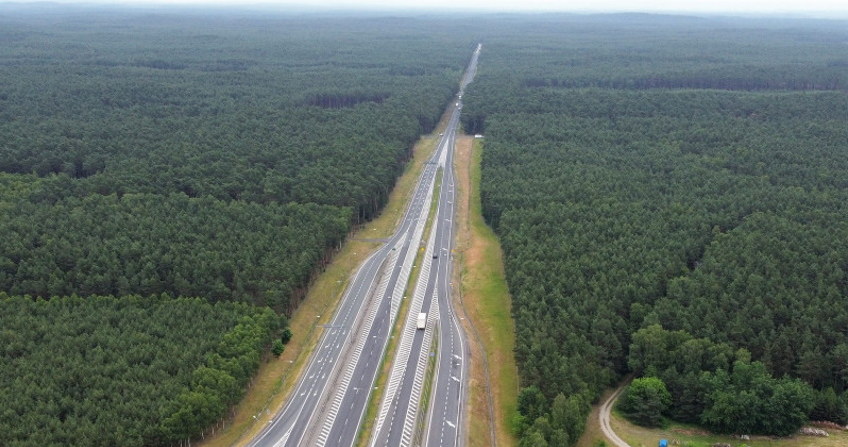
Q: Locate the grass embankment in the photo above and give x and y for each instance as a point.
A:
(638, 436)
(486, 301)
(278, 377)
(374, 401)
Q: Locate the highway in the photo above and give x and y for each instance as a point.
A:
(330, 398)
(402, 420)
(446, 408)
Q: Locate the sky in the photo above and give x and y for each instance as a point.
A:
(724, 6)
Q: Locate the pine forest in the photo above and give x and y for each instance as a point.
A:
(671, 198)
(670, 192)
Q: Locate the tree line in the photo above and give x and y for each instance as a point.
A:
(130, 371)
(146, 156)
(711, 384)
(716, 212)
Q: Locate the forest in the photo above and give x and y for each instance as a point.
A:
(236, 251)
(170, 182)
(129, 371)
(670, 194)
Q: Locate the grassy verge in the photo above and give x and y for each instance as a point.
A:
(487, 302)
(696, 437)
(277, 377)
(374, 401)
(690, 436)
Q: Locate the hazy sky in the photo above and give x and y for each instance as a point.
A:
(768, 6)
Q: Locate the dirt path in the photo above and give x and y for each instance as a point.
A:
(604, 419)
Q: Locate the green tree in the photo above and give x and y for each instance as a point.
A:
(533, 439)
(532, 403)
(286, 336)
(568, 415)
(645, 400)
(749, 400)
(278, 347)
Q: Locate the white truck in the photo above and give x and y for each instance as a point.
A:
(422, 320)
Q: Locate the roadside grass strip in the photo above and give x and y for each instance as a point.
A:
(487, 302)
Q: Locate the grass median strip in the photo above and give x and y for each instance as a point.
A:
(426, 390)
(374, 401)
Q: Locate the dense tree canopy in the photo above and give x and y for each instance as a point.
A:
(265, 110)
(722, 389)
(149, 244)
(645, 170)
(645, 401)
(203, 154)
(638, 169)
(131, 371)
(185, 153)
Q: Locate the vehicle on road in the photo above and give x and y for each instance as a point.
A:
(422, 320)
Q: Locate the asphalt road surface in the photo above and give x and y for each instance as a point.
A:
(402, 421)
(328, 403)
(289, 427)
(446, 406)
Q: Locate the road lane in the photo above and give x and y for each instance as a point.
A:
(291, 423)
(445, 421)
(329, 401)
(401, 404)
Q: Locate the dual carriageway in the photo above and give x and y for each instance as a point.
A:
(328, 405)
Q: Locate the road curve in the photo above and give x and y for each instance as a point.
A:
(604, 419)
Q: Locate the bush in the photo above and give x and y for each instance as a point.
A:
(286, 337)
(278, 348)
(645, 401)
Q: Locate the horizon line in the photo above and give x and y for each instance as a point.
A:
(286, 6)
